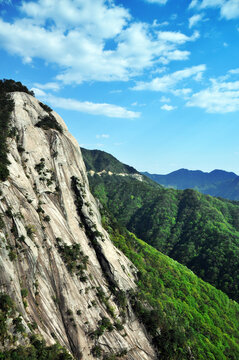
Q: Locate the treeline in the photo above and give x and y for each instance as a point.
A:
(9, 85)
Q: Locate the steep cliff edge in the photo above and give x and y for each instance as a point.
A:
(56, 261)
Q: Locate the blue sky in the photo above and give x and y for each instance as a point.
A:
(153, 82)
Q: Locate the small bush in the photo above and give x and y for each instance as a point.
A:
(12, 255)
(30, 230)
(96, 351)
(24, 292)
(20, 149)
(47, 218)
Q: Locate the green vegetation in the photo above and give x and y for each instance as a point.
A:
(35, 349)
(9, 85)
(197, 230)
(103, 325)
(97, 160)
(186, 317)
(74, 258)
(6, 107)
(49, 122)
(45, 107)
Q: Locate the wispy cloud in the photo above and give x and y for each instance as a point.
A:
(193, 4)
(88, 107)
(158, 24)
(234, 71)
(48, 86)
(195, 19)
(221, 97)
(165, 99)
(229, 9)
(177, 37)
(167, 83)
(102, 136)
(168, 107)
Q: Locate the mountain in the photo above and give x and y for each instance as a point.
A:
(97, 160)
(197, 230)
(100, 162)
(60, 274)
(75, 283)
(215, 183)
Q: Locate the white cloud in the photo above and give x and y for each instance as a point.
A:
(220, 97)
(195, 19)
(137, 104)
(157, 24)
(234, 71)
(184, 92)
(229, 9)
(38, 92)
(27, 60)
(176, 37)
(167, 83)
(193, 4)
(168, 107)
(88, 107)
(48, 86)
(74, 35)
(102, 136)
(211, 3)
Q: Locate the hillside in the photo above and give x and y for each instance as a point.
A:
(199, 231)
(100, 162)
(188, 310)
(216, 183)
(97, 160)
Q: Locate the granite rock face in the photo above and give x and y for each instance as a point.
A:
(54, 247)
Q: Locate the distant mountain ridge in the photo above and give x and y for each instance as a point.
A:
(97, 160)
(215, 183)
(100, 162)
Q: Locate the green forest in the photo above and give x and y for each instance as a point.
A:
(199, 231)
(196, 321)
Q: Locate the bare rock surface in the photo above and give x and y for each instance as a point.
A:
(47, 207)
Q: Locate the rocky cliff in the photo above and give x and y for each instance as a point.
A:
(56, 260)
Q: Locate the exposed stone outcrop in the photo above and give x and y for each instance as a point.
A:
(47, 209)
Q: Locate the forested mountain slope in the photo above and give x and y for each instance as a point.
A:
(199, 231)
(188, 311)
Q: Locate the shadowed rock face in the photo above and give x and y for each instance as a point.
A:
(47, 210)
